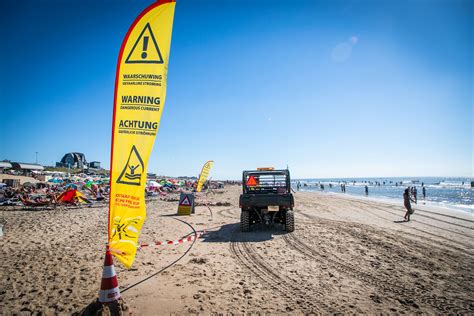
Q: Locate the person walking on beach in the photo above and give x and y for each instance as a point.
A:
(366, 190)
(406, 202)
(424, 192)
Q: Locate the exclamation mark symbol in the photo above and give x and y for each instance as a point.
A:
(145, 46)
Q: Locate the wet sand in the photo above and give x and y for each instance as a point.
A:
(346, 255)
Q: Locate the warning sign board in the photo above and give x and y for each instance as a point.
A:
(133, 169)
(185, 201)
(186, 204)
(145, 50)
(251, 181)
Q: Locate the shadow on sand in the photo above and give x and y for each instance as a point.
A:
(231, 232)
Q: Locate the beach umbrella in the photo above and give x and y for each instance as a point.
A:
(154, 184)
(71, 185)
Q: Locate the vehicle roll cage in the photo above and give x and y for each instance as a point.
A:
(271, 181)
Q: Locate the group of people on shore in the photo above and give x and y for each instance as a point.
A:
(45, 194)
(70, 192)
(410, 194)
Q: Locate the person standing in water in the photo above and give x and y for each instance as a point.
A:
(406, 202)
(366, 190)
(424, 192)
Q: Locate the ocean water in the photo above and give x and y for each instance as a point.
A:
(454, 193)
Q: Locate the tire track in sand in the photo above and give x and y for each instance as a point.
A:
(465, 249)
(435, 243)
(249, 259)
(461, 257)
(402, 211)
(388, 286)
(225, 213)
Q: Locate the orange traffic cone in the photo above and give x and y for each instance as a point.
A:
(109, 290)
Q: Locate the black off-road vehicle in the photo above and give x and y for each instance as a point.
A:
(266, 199)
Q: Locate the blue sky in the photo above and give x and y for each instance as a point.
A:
(329, 88)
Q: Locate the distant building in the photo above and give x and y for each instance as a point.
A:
(94, 164)
(4, 165)
(20, 167)
(26, 168)
(73, 160)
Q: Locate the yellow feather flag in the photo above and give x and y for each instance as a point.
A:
(140, 92)
(204, 174)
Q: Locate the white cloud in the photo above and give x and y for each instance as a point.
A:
(343, 51)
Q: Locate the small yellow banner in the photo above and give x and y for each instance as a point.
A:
(140, 91)
(204, 174)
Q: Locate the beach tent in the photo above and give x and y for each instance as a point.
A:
(72, 195)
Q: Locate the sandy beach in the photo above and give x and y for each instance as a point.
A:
(346, 255)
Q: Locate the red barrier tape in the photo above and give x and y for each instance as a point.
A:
(173, 242)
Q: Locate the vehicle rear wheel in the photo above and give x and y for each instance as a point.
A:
(245, 221)
(290, 221)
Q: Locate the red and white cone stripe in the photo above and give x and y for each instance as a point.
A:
(109, 290)
(173, 242)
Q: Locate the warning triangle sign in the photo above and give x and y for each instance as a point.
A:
(251, 182)
(145, 50)
(185, 201)
(133, 169)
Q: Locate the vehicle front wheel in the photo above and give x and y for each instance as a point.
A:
(290, 221)
(245, 221)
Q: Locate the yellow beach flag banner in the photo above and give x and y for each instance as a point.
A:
(140, 91)
(204, 174)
